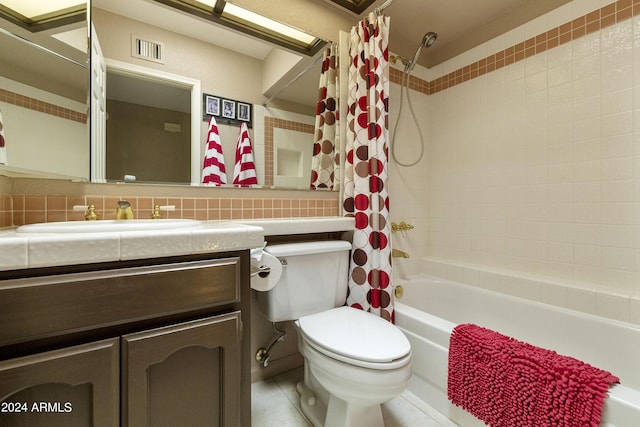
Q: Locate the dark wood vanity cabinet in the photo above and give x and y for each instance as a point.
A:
(77, 386)
(155, 343)
(183, 375)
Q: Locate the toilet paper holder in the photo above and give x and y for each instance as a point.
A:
(260, 270)
(263, 270)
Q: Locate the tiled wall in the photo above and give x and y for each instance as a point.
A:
(6, 211)
(599, 302)
(270, 123)
(27, 209)
(534, 162)
(595, 20)
(582, 25)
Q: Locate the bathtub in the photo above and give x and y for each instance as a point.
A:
(432, 307)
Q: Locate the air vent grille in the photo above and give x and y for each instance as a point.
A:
(146, 49)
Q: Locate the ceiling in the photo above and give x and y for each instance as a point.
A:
(460, 24)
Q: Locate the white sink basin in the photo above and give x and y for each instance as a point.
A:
(101, 226)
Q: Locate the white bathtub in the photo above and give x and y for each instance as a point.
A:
(432, 307)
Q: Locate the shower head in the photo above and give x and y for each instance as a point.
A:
(427, 41)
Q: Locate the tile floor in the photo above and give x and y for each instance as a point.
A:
(275, 403)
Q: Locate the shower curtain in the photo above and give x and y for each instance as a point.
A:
(366, 168)
(325, 161)
(3, 148)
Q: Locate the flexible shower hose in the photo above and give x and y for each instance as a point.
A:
(403, 86)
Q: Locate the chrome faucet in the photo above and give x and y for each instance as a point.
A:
(124, 210)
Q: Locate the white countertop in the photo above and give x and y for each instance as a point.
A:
(285, 226)
(19, 251)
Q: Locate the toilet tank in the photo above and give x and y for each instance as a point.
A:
(314, 278)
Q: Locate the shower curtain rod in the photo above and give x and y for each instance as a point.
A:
(37, 46)
(378, 10)
(295, 79)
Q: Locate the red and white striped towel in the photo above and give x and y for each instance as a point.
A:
(244, 172)
(213, 170)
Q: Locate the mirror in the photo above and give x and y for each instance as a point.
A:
(225, 64)
(44, 89)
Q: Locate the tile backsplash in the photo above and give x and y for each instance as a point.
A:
(26, 209)
(48, 201)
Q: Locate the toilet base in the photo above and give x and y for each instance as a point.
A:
(339, 413)
(312, 408)
(343, 414)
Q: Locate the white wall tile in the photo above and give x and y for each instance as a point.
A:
(581, 300)
(612, 306)
(634, 309)
(536, 166)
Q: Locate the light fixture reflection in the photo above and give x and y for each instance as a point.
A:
(266, 23)
(248, 22)
(32, 9)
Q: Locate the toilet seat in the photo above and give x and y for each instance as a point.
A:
(356, 337)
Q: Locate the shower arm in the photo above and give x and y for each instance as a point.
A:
(402, 59)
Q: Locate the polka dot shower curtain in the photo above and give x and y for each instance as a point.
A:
(366, 168)
(325, 161)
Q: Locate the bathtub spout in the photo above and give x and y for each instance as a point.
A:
(397, 253)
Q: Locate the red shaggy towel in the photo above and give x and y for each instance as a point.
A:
(505, 382)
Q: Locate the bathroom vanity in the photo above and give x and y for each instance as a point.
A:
(148, 340)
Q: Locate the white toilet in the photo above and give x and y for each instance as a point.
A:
(354, 360)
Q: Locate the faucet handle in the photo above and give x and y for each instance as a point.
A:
(403, 226)
(90, 215)
(156, 210)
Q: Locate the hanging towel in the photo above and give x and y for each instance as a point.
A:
(3, 148)
(505, 382)
(213, 170)
(244, 172)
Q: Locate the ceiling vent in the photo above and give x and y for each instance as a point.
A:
(147, 50)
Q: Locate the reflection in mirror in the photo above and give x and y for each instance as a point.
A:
(148, 138)
(44, 108)
(227, 64)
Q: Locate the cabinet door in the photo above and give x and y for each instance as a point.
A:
(183, 375)
(73, 387)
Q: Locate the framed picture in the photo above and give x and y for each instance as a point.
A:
(212, 105)
(228, 109)
(244, 112)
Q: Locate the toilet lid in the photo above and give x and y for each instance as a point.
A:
(355, 334)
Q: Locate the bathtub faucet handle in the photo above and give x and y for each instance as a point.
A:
(403, 226)
(397, 253)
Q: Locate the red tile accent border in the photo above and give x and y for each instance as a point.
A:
(606, 16)
(41, 106)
